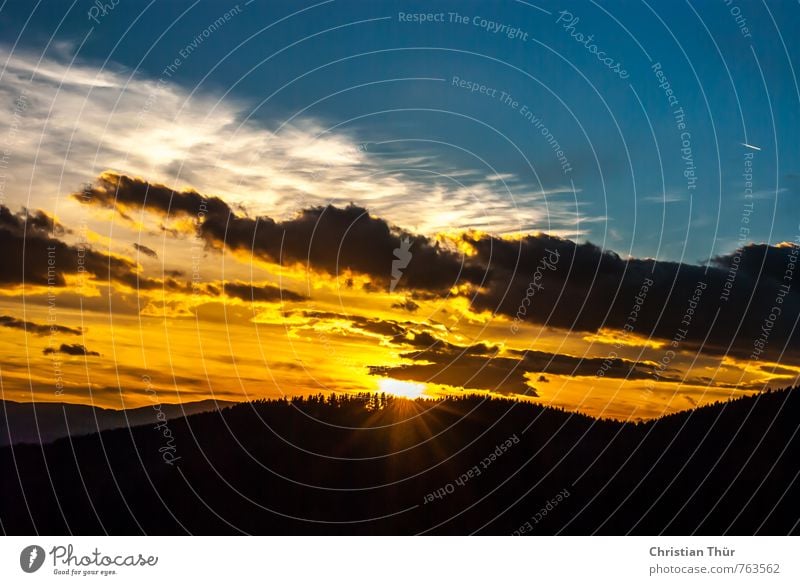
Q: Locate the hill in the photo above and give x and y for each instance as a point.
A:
(44, 422)
(367, 464)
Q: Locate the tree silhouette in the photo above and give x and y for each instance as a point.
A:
(270, 466)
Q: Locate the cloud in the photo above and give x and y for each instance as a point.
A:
(335, 240)
(264, 293)
(31, 255)
(482, 367)
(407, 305)
(592, 288)
(387, 328)
(469, 372)
(145, 250)
(97, 118)
(665, 197)
(70, 349)
(36, 328)
(582, 287)
(125, 194)
(325, 239)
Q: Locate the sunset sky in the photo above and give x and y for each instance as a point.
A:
(211, 196)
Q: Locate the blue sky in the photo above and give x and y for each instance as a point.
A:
(354, 67)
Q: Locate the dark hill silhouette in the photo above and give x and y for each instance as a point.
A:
(44, 422)
(368, 465)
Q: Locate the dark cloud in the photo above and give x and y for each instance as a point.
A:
(36, 328)
(325, 239)
(591, 288)
(335, 240)
(118, 302)
(127, 193)
(246, 291)
(263, 293)
(467, 371)
(70, 349)
(427, 341)
(581, 287)
(406, 305)
(481, 367)
(385, 327)
(567, 365)
(778, 371)
(145, 250)
(44, 223)
(32, 255)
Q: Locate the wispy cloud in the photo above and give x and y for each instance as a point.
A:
(81, 120)
(663, 198)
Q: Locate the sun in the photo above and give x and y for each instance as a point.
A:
(399, 388)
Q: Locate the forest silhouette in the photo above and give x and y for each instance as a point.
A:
(376, 464)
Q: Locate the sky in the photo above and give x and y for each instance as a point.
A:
(227, 188)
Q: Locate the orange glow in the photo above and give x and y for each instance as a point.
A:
(399, 388)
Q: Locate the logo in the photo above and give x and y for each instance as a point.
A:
(31, 558)
(403, 257)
